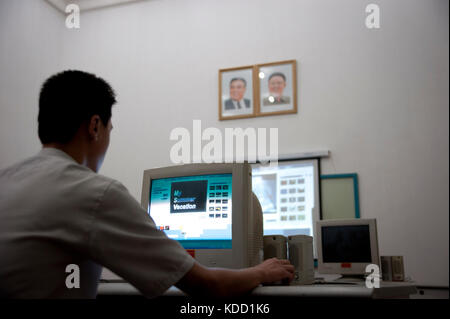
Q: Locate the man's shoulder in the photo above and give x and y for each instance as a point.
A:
(55, 173)
(100, 180)
(87, 182)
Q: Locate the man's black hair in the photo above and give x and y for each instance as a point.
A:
(67, 100)
(278, 74)
(239, 79)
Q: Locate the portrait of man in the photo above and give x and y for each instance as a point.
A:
(237, 101)
(236, 95)
(276, 86)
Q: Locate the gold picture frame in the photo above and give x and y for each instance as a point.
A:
(237, 94)
(277, 88)
(258, 90)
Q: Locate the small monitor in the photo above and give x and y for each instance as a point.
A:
(209, 209)
(346, 246)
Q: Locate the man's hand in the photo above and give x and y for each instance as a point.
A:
(213, 282)
(275, 270)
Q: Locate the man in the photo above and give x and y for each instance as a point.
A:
(56, 211)
(277, 84)
(237, 91)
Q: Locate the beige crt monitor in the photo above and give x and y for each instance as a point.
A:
(346, 246)
(210, 209)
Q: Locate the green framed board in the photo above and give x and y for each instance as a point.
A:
(339, 196)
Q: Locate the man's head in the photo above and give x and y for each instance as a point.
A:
(237, 88)
(75, 108)
(277, 83)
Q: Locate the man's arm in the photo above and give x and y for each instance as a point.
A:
(214, 282)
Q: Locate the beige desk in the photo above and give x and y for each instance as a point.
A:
(387, 290)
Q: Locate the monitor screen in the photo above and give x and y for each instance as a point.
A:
(346, 244)
(289, 196)
(194, 210)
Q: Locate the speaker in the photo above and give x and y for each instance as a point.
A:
(386, 268)
(275, 246)
(392, 268)
(301, 256)
(398, 269)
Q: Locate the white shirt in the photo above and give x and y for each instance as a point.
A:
(55, 212)
(241, 102)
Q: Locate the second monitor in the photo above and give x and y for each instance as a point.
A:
(289, 196)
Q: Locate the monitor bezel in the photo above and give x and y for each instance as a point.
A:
(344, 267)
(236, 257)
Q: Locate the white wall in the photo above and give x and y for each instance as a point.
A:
(30, 50)
(377, 99)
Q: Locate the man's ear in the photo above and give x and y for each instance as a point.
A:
(93, 127)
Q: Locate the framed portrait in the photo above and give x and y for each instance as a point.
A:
(237, 98)
(277, 88)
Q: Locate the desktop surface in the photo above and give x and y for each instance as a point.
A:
(323, 290)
